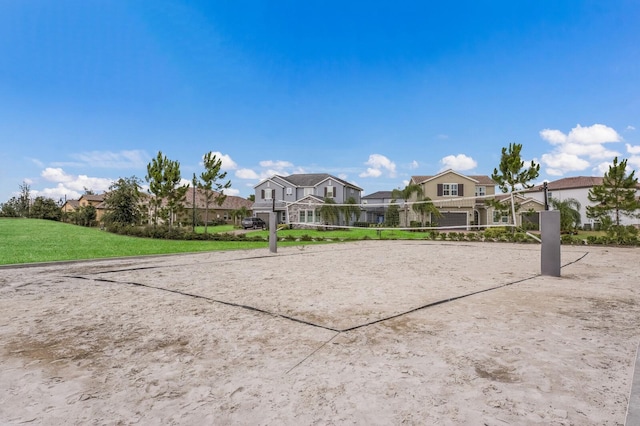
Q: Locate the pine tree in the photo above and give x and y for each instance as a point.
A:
(616, 196)
(164, 178)
(512, 173)
(122, 202)
(210, 185)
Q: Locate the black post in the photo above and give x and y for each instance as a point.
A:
(193, 205)
(546, 196)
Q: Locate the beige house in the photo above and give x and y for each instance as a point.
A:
(527, 211)
(459, 198)
(216, 213)
(95, 200)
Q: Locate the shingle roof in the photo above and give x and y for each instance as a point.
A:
(230, 203)
(570, 183)
(482, 179)
(379, 194)
(93, 197)
(312, 179)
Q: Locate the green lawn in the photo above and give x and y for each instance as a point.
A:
(34, 240)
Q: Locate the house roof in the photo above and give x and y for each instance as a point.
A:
(480, 179)
(72, 203)
(231, 202)
(93, 197)
(379, 194)
(574, 182)
(313, 179)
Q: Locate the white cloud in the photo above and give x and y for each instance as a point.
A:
(554, 137)
(278, 165)
(343, 176)
(602, 168)
(377, 165)
(246, 174)
(630, 128)
(563, 162)
(570, 149)
(371, 173)
(127, 159)
(76, 182)
(414, 165)
(70, 186)
(231, 191)
(633, 149)
(227, 161)
(634, 161)
(56, 175)
(458, 162)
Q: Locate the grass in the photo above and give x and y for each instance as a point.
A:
(34, 240)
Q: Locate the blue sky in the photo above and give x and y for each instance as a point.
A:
(372, 92)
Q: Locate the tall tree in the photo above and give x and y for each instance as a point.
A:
(24, 199)
(617, 194)
(406, 194)
(512, 173)
(45, 208)
(350, 210)
(329, 212)
(569, 209)
(11, 208)
(122, 202)
(209, 183)
(164, 179)
(425, 206)
(392, 215)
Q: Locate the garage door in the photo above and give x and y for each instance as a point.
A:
(452, 219)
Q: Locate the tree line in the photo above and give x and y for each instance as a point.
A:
(613, 199)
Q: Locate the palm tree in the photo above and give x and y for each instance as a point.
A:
(424, 206)
(406, 194)
(569, 209)
(329, 211)
(239, 213)
(350, 210)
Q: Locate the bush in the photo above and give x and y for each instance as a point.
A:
(496, 232)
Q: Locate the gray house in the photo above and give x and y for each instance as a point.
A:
(376, 205)
(297, 198)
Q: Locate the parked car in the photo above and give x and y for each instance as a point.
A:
(254, 223)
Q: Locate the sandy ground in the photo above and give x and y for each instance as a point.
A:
(334, 334)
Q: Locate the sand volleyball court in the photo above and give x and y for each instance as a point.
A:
(371, 332)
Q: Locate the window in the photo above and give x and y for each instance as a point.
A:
(308, 191)
(289, 191)
(330, 191)
(500, 217)
(481, 191)
(450, 189)
(307, 216)
(268, 194)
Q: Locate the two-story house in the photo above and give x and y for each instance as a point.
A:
(297, 198)
(453, 194)
(576, 187)
(375, 206)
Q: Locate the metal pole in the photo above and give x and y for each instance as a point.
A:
(273, 225)
(545, 186)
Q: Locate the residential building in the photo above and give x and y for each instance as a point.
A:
(224, 213)
(296, 198)
(95, 200)
(576, 187)
(375, 206)
(454, 194)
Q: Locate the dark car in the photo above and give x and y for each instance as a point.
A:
(253, 222)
